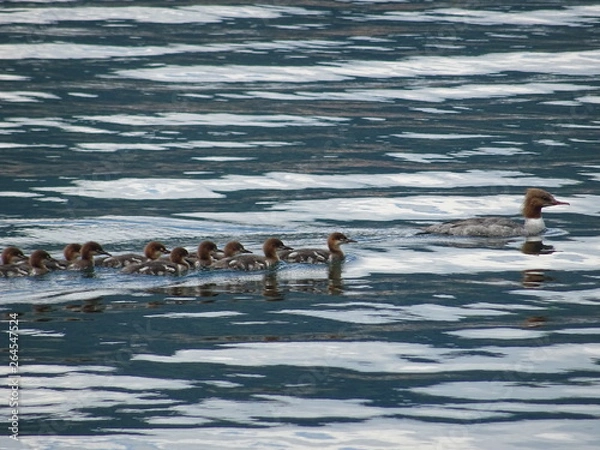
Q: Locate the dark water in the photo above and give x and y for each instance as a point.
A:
(124, 122)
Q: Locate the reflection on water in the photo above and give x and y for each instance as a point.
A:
(534, 278)
(535, 246)
(272, 285)
(180, 122)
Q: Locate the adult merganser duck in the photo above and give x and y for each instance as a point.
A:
(254, 262)
(177, 265)
(12, 255)
(314, 255)
(88, 251)
(206, 251)
(153, 250)
(535, 200)
(71, 252)
(36, 265)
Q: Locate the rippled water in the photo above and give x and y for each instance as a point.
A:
(124, 122)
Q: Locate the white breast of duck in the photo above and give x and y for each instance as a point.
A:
(534, 227)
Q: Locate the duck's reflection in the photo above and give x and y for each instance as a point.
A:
(271, 289)
(335, 278)
(273, 285)
(95, 305)
(535, 322)
(535, 278)
(535, 246)
(268, 286)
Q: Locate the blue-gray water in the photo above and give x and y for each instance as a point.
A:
(124, 122)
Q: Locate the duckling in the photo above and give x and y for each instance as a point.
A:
(206, 252)
(232, 248)
(314, 255)
(153, 250)
(254, 262)
(177, 265)
(88, 251)
(12, 255)
(12, 259)
(71, 252)
(36, 265)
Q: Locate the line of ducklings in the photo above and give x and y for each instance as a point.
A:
(234, 256)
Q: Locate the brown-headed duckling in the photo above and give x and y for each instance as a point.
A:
(314, 255)
(254, 262)
(153, 250)
(70, 253)
(177, 265)
(36, 265)
(88, 251)
(12, 255)
(206, 252)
